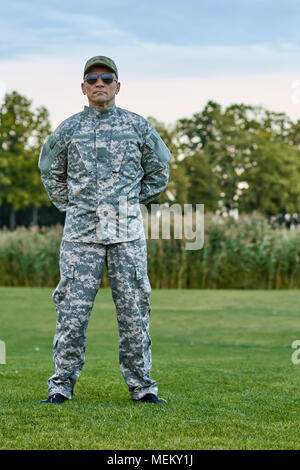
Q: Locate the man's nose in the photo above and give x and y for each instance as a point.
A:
(99, 81)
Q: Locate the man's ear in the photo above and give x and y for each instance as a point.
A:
(83, 88)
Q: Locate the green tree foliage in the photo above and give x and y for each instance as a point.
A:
(293, 136)
(22, 133)
(243, 157)
(273, 182)
(203, 187)
(177, 191)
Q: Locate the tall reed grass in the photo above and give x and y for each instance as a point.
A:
(244, 254)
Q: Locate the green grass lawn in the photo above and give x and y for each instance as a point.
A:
(221, 358)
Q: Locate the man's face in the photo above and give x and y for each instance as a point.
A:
(101, 95)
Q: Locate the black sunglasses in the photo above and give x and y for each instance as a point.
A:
(92, 78)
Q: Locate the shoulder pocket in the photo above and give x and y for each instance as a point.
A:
(48, 153)
(155, 142)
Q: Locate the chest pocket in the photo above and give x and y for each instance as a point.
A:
(113, 157)
(127, 163)
(105, 163)
(82, 154)
(121, 157)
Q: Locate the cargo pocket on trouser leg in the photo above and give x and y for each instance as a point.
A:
(67, 275)
(140, 262)
(143, 291)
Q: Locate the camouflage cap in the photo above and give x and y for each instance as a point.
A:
(100, 60)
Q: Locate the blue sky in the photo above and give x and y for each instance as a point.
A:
(172, 55)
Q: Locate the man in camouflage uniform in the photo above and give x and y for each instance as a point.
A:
(98, 166)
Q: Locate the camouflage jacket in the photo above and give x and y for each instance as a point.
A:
(98, 166)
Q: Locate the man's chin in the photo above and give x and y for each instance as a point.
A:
(99, 101)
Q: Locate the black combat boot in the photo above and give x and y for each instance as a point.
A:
(56, 398)
(151, 398)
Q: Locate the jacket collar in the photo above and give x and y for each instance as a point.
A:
(99, 113)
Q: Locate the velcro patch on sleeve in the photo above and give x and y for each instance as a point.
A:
(48, 153)
(155, 142)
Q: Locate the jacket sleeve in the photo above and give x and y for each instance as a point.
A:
(155, 163)
(53, 166)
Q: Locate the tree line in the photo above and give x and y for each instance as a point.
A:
(241, 157)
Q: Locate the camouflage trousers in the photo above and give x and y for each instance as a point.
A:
(81, 266)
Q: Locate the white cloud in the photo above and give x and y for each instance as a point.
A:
(162, 80)
(34, 32)
(56, 34)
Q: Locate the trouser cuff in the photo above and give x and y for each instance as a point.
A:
(64, 390)
(137, 395)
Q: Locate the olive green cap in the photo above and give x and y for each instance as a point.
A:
(100, 60)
